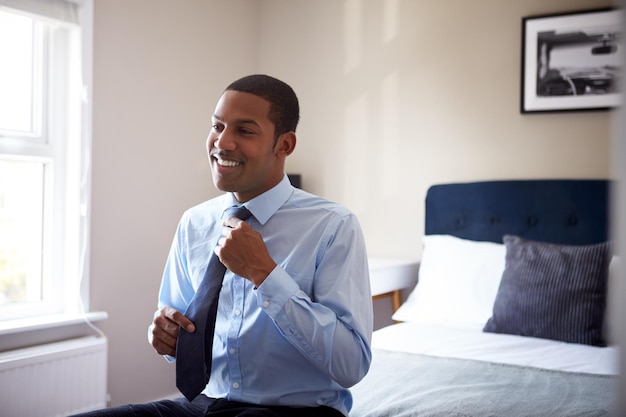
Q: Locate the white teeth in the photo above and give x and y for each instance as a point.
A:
(227, 163)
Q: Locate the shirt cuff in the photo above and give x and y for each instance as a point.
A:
(275, 291)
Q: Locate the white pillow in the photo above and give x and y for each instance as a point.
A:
(458, 282)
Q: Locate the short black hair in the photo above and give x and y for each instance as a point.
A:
(284, 107)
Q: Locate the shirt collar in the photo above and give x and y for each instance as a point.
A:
(265, 205)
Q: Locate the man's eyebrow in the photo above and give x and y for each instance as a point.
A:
(237, 121)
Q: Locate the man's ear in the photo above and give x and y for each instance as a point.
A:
(285, 144)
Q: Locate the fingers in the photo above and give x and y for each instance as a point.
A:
(230, 225)
(242, 250)
(178, 318)
(165, 328)
(234, 227)
(233, 222)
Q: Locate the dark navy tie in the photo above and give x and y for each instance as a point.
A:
(194, 350)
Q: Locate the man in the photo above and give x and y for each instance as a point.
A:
(294, 317)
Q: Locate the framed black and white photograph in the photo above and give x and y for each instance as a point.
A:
(571, 61)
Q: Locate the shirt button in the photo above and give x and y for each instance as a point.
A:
(235, 385)
(237, 312)
(266, 303)
(232, 351)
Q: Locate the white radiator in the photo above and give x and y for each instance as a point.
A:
(56, 379)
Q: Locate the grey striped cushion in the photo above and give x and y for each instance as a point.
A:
(552, 291)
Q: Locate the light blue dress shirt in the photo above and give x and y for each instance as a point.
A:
(302, 338)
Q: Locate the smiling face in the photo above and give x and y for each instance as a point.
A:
(244, 154)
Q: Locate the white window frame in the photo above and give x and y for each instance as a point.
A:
(64, 142)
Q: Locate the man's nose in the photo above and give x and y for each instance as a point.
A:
(225, 140)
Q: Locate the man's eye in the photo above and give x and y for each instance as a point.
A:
(217, 127)
(245, 131)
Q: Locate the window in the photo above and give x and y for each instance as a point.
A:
(44, 143)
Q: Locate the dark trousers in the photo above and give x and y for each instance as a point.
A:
(203, 406)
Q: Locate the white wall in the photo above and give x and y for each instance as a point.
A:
(159, 66)
(398, 95)
(395, 95)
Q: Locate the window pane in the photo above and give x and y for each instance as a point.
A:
(21, 231)
(17, 80)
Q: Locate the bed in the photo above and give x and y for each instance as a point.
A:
(509, 314)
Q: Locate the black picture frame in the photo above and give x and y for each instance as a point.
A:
(571, 61)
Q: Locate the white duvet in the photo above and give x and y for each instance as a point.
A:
(470, 342)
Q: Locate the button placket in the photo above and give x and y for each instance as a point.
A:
(236, 322)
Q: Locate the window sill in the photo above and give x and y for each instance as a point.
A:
(46, 329)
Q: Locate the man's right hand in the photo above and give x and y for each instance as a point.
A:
(164, 330)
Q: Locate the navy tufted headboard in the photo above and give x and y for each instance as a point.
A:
(556, 211)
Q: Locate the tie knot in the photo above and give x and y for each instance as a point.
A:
(239, 212)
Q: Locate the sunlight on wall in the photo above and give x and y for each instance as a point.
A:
(389, 128)
(356, 148)
(391, 10)
(371, 112)
(353, 27)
